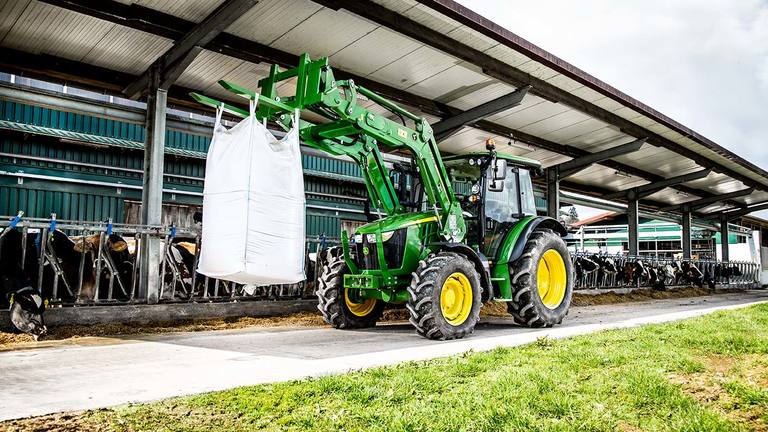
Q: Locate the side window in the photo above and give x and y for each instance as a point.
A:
(502, 205)
(527, 199)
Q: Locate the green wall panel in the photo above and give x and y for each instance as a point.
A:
(335, 166)
(40, 203)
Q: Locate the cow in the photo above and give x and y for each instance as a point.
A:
(16, 277)
(182, 256)
(606, 267)
(654, 278)
(27, 307)
(726, 271)
(634, 272)
(123, 259)
(732, 271)
(71, 254)
(665, 276)
(691, 274)
(583, 266)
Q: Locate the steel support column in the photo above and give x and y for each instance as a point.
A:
(553, 193)
(633, 222)
(724, 239)
(152, 191)
(686, 237)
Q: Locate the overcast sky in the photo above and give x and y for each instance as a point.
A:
(702, 62)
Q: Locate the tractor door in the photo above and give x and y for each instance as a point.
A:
(506, 200)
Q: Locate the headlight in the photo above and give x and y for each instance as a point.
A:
(371, 238)
(475, 188)
(471, 161)
(387, 235)
(358, 238)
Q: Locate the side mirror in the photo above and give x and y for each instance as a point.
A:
(499, 169)
(496, 174)
(495, 185)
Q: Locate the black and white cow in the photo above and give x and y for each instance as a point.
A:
(16, 283)
(689, 273)
(583, 267)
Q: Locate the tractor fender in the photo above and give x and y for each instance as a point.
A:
(517, 239)
(478, 259)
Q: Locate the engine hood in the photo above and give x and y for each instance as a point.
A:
(391, 223)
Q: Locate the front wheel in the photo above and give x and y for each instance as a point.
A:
(343, 308)
(542, 281)
(444, 297)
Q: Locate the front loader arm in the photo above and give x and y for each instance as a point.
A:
(357, 132)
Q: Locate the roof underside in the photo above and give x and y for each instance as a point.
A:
(544, 127)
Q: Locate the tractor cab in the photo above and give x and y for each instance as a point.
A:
(495, 191)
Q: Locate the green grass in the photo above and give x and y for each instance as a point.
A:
(613, 380)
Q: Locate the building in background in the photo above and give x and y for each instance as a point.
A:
(607, 233)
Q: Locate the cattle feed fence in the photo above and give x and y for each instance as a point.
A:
(99, 263)
(75, 263)
(596, 271)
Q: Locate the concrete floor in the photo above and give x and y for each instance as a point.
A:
(101, 372)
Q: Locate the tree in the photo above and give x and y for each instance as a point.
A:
(570, 216)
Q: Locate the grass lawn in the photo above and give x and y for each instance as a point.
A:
(709, 373)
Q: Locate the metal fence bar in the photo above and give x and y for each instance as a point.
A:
(617, 271)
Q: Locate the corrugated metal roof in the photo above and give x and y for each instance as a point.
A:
(42, 28)
(92, 139)
(117, 50)
(384, 55)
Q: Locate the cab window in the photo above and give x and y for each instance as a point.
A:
(514, 200)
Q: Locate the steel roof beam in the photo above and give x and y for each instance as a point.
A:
(652, 188)
(703, 202)
(173, 62)
(573, 166)
(89, 77)
(498, 69)
(743, 212)
(450, 125)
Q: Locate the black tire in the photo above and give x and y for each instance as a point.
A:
(527, 306)
(331, 299)
(425, 292)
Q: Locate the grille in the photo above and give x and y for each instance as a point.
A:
(393, 252)
(369, 261)
(394, 249)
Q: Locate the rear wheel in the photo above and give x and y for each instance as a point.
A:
(444, 297)
(542, 281)
(343, 308)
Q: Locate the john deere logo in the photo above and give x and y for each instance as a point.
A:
(365, 250)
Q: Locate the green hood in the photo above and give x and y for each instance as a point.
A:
(394, 222)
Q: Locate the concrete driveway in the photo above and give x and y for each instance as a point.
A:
(101, 372)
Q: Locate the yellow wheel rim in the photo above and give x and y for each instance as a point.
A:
(552, 279)
(456, 299)
(359, 309)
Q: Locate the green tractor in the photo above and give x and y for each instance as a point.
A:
(458, 232)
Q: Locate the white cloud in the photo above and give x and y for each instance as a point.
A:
(704, 63)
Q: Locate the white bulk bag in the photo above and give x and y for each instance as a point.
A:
(253, 205)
